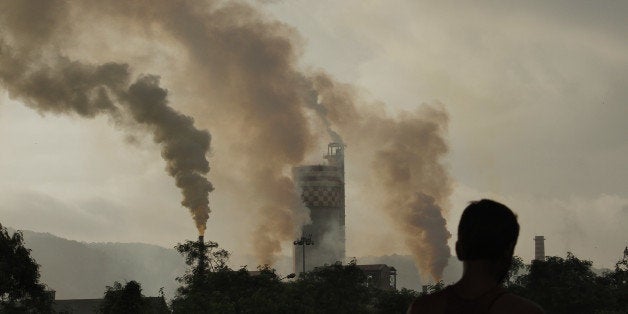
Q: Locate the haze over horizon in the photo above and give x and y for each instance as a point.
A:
(535, 95)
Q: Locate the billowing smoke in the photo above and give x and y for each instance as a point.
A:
(256, 98)
(246, 65)
(315, 104)
(405, 154)
(183, 146)
(34, 71)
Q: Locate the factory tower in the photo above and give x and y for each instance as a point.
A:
(539, 248)
(322, 189)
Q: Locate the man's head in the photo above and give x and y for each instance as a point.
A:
(488, 230)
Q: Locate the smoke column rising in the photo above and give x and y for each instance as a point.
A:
(247, 65)
(417, 185)
(34, 71)
(405, 154)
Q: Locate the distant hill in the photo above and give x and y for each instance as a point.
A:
(78, 270)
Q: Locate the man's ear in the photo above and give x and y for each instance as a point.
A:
(459, 252)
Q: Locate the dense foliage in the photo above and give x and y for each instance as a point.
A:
(129, 299)
(20, 290)
(568, 285)
(559, 285)
(210, 286)
(123, 299)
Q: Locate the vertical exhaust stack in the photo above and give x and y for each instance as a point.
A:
(202, 258)
(539, 248)
(322, 190)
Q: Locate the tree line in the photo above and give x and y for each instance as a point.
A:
(559, 285)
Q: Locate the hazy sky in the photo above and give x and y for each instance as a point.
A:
(536, 93)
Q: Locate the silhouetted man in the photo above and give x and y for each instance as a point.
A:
(487, 235)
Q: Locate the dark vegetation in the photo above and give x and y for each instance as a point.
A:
(20, 290)
(568, 285)
(210, 286)
(559, 285)
(129, 299)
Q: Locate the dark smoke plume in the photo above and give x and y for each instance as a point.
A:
(183, 146)
(34, 71)
(246, 66)
(406, 161)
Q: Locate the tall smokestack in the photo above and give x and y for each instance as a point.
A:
(323, 192)
(539, 248)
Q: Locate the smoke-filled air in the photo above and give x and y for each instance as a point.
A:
(251, 93)
(405, 157)
(35, 71)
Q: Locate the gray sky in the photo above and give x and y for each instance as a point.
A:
(536, 94)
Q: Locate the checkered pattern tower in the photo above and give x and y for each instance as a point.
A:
(322, 189)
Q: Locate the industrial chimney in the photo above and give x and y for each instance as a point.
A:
(322, 190)
(539, 248)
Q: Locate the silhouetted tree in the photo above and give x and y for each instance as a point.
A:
(201, 290)
(563, 285)
(335, 288)
(560, 285)
(209, 286)
(124, 299)
(616, 287)
(20, 290)
(129, 299)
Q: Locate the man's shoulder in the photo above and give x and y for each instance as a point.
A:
(512, 303)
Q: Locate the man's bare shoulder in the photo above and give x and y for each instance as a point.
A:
(512, 303)
(431, 303)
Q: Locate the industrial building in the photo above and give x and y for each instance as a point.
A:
(380, 276)
(322, 189)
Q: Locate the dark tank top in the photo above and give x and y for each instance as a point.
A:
(454, 304)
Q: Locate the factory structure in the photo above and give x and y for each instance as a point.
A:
(539, 248)
(322, 189)
(322, 241)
